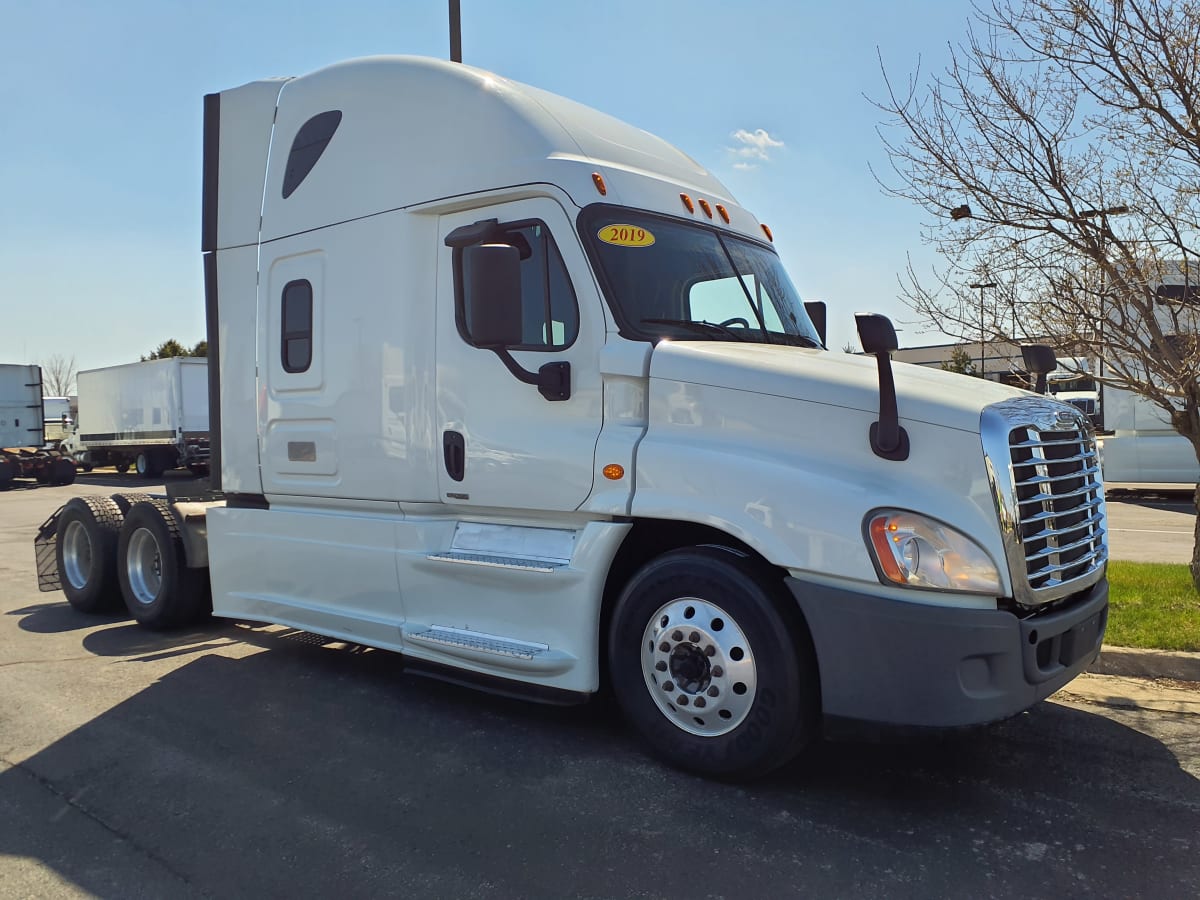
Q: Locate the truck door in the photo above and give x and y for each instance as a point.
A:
(503, 443)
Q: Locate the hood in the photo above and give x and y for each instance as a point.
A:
(837, 379)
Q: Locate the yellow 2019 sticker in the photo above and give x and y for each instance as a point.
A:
(626, 236)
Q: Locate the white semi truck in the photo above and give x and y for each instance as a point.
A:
(519, 391)
(152, 415)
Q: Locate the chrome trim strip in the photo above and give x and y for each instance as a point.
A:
(1047, 416)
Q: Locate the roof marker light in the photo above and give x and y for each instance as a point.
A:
(598, 180)
(704, 206)
(767, 232)
(687, 202)
(724, 213)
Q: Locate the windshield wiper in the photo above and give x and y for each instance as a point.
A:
(795, 340)
(708, 328)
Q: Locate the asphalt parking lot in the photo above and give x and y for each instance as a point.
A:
(239, 760)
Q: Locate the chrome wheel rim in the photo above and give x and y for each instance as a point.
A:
(77, 555)
(144, 566)
(698, 667)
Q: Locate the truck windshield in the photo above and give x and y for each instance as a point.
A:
(668, 278)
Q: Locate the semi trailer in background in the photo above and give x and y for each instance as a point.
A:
(150, 415)
(23, 451)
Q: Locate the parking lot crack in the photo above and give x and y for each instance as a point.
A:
(72, 802)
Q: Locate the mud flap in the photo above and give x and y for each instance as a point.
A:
(45, 547)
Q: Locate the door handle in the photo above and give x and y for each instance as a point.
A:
(454, 449)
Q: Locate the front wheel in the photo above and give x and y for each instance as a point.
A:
(711, 662)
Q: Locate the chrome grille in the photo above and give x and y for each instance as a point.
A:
(1056, 475)
(1046, 473)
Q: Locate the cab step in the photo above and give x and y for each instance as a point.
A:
(524, 563)
(492, 649)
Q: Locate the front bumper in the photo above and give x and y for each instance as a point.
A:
(890, 662)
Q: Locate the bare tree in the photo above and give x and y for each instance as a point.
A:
(1058, 156)
(58, 375)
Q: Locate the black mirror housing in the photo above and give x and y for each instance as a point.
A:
(1039, 359)
(817, 312)
(876, 333)
(491, 296)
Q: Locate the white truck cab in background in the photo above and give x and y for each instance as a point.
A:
(519, 391)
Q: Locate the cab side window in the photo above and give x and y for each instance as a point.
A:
(296, 326)
(549, 310)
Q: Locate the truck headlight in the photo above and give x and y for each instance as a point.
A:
(916, 551)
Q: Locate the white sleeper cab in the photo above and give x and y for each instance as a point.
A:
(518, 391)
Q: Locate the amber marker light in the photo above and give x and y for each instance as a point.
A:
(687, 203)
(767, 232)
(614, 472)
(724, 213)
(704, 206)
(598, 180)
(881, 533)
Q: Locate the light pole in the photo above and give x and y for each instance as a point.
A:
(1103, 214)
(982, 286)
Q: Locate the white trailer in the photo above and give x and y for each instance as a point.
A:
(1143, 448)
(519, 391)
(22, 431)
(152, 415)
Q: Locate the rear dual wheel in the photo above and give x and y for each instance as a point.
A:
(160, 590)
(712, 663)
(86, 549)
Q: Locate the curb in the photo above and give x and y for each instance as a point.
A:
(1130, 662)
(1119, 692)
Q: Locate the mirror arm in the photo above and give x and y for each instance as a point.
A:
(553, 380)
(888, 439)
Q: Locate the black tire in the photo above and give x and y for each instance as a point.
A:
(126, 500)
(149, 464)
(86, 553)
(160, 591)
(122, 467)
(751, 699)
(63, 471)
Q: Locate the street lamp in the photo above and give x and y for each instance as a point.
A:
(982, 286)
(1103, 214)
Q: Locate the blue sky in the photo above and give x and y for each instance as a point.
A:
(100, 149)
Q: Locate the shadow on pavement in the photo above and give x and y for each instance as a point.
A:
(60, 617)
(318, 768)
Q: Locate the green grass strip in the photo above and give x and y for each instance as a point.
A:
(1153, 606)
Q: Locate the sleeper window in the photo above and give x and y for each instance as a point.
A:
(296, 324)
